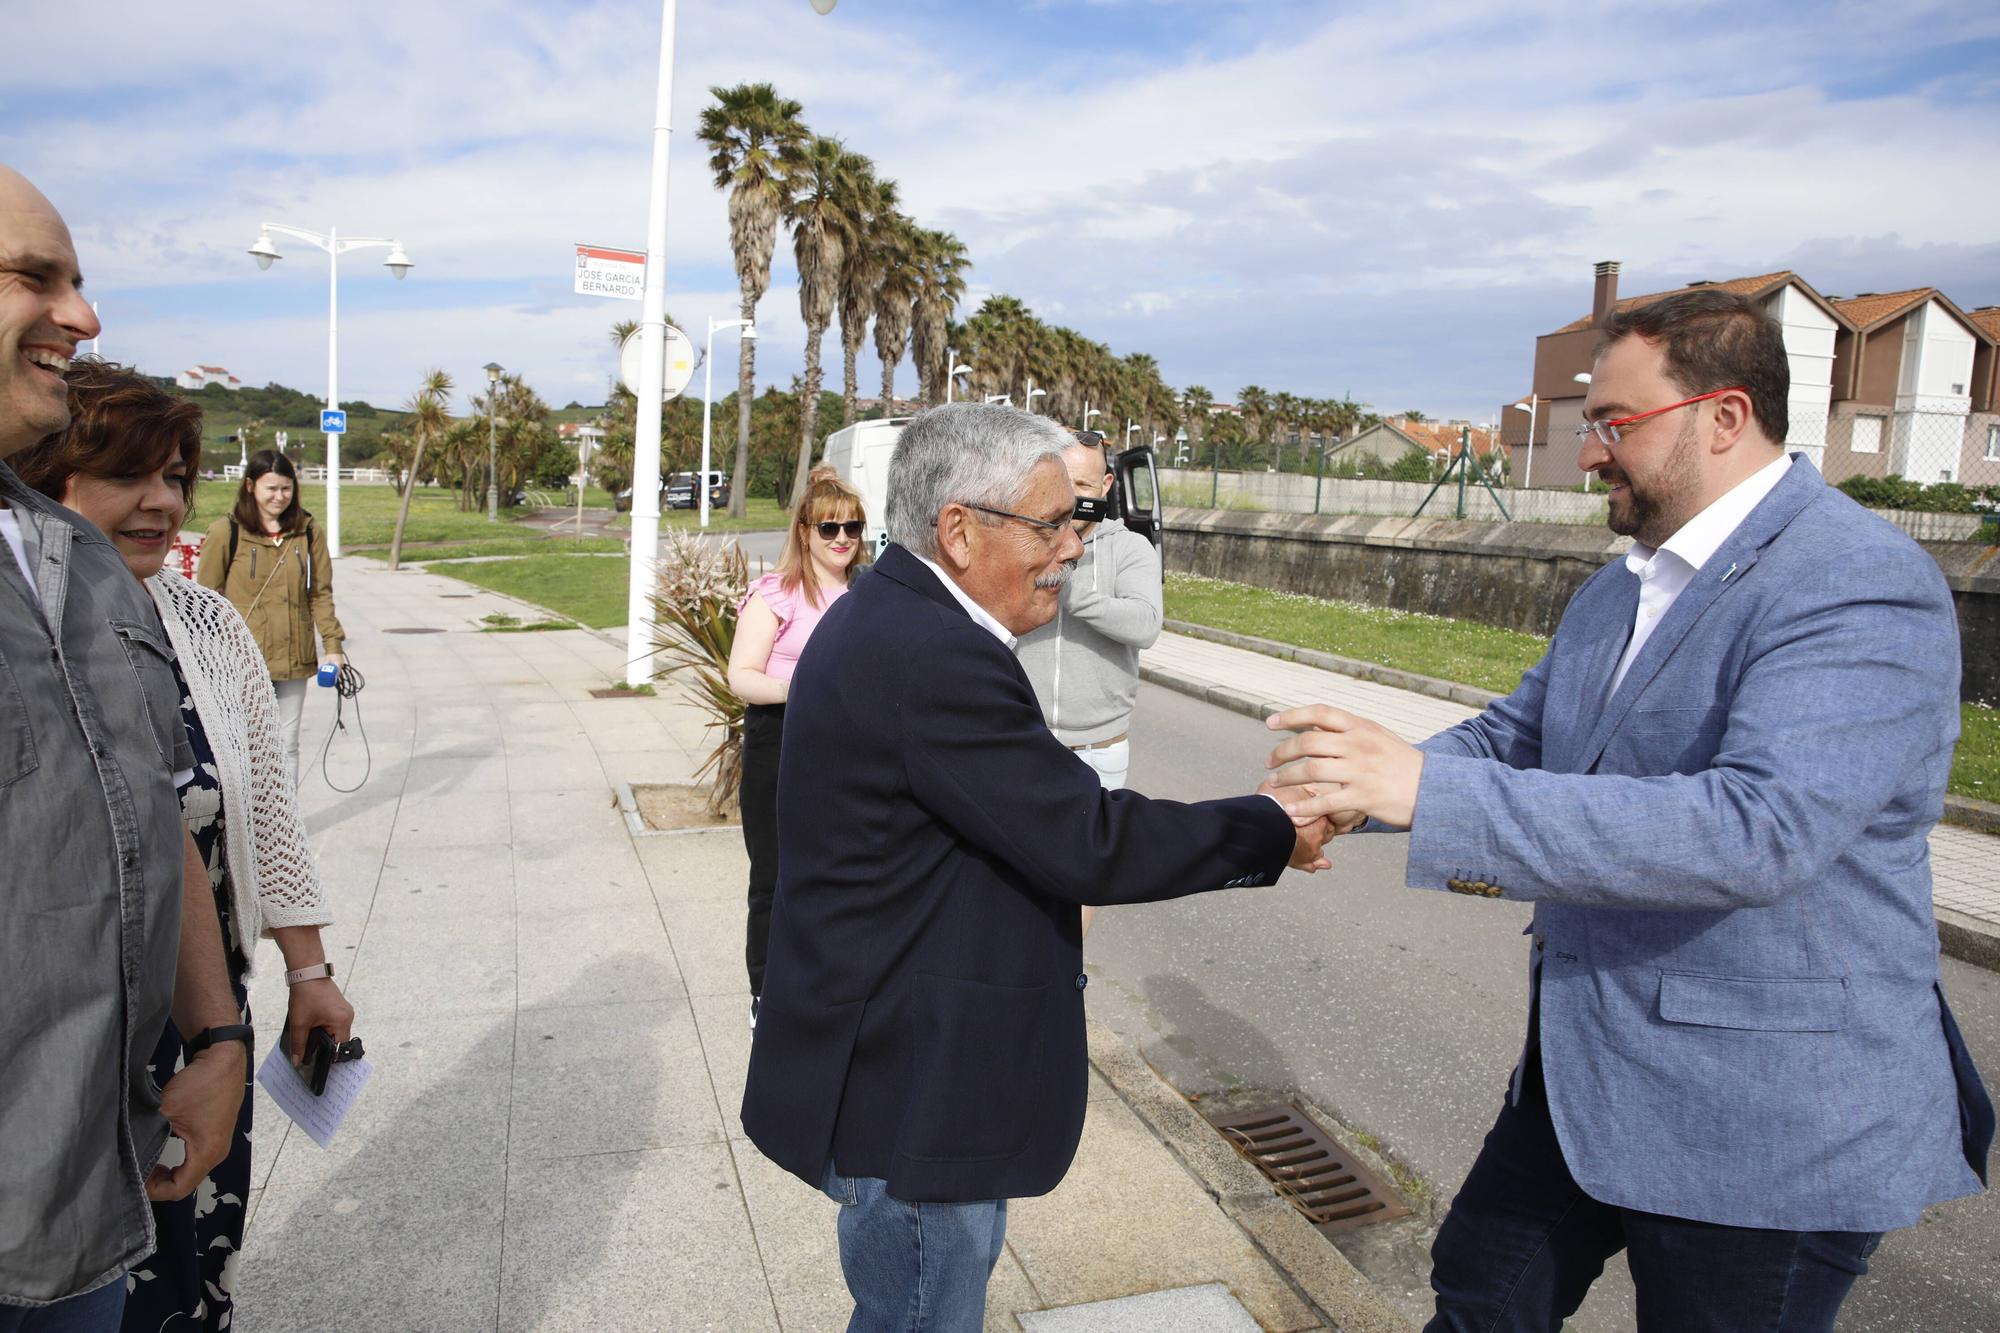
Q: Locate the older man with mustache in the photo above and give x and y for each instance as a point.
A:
(920, 1048)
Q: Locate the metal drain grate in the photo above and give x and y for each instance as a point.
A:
(1310, 1168)
(414, 629)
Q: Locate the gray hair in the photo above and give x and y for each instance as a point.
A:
(964, 453)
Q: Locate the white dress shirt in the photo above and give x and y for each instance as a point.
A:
(978, 613)
(1664, 573)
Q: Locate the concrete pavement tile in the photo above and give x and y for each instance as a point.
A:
(795, 1226)
(666, 762)
(697, 867)
(423, 882)
(416, 1250)
(652, 1240)
(609, 1078)
(559, 821)
(1009, 1293)
(724, 1024)
(619, 954)
(1079, 1244)
(454, 819)
(460, 768)
(1099, 1090)
(438, 1100)
(595, 873)
(556, 772)
(1209, 1308)
(451, 965)
(708, 941)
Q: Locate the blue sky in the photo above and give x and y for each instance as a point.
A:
(1378, 197)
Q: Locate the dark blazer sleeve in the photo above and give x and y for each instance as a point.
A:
(981, 761)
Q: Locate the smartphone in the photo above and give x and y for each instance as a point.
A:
(319, 1060)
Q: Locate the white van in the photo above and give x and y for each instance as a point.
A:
(860, 454)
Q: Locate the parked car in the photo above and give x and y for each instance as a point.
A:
(679, 491)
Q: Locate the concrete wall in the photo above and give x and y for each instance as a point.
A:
(1517, 576)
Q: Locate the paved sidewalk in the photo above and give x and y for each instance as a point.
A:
(558, 1017)
(1965, 863)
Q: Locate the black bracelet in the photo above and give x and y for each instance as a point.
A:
(208, 1037)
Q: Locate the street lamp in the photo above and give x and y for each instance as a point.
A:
(1131, 429)
(957, 369)
(265, 252)
(1531, 407)
(1006, 398)
(708, 389)
(492, 443)
(639, 649)
(1089, 412)
(1033, 394)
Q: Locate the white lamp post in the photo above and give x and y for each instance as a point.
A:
(652, 371)
(1089, 412)
(957, 369)
(398, 263)
(1531, 407)
(708, 395)
(1033, 394)
(1131, 429)
(1006, 398)
(492, 369)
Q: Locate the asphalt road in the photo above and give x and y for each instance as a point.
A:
(1402, 1012)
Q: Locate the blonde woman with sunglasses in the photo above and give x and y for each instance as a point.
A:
(824, 549)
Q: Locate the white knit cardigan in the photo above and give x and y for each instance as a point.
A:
(271, 872)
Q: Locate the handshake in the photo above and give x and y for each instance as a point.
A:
(1337, 772)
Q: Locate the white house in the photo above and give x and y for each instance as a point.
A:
(200, 377)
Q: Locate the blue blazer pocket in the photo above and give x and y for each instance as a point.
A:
(1678, 721)
(1756, 1004)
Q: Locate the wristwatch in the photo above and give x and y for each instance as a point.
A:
(312, 973)
(208, 1037)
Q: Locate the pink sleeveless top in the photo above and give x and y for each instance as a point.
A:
(797, 618)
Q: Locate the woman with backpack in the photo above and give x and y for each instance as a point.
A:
(271, 563)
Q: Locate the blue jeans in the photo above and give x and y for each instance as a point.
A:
(914, 1267)
(93, 1312)
(1523, 1243)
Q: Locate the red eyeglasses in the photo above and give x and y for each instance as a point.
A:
(1608, 434)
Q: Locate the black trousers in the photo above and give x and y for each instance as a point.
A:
(1523, 1243)
(763, 729)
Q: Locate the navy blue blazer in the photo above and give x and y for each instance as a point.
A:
(922, 1014)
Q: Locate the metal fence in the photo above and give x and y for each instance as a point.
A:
(1936, 475)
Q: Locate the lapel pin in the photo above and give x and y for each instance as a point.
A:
(1731, 570)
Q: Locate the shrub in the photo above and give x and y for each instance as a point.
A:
(694, 610)
(1944, 497)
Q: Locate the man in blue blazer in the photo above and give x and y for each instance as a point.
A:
(1717, 788)
(919, 1052)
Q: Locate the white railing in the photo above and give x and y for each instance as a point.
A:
(365, 476)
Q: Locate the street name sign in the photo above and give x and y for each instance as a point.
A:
(602, 271)
(332, 422)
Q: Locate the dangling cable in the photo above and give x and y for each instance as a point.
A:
(347, 685)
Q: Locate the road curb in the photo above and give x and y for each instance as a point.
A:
(1319, 1272)
(1969, 812)
(1468, 695)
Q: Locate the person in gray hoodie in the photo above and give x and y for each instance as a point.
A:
(1084, 664)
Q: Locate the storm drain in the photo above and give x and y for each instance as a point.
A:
(414, 629)
(1311, 1169)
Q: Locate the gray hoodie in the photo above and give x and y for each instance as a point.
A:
(1084, 664)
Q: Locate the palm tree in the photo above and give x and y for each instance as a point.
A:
(895, 295)
(427, 420)
(821, 213)
(1195, 404)
(754, 137)
(1255, 404)
(941, 265)
(861, 275)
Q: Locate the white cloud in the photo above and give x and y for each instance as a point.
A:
(1389, 199)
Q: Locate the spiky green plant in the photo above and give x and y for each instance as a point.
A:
(694, 626)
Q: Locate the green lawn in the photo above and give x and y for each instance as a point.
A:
(586, 588)
(1465, 651)
(509, 541)
(368, 516)
(1975, 771)
(1460, 650)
